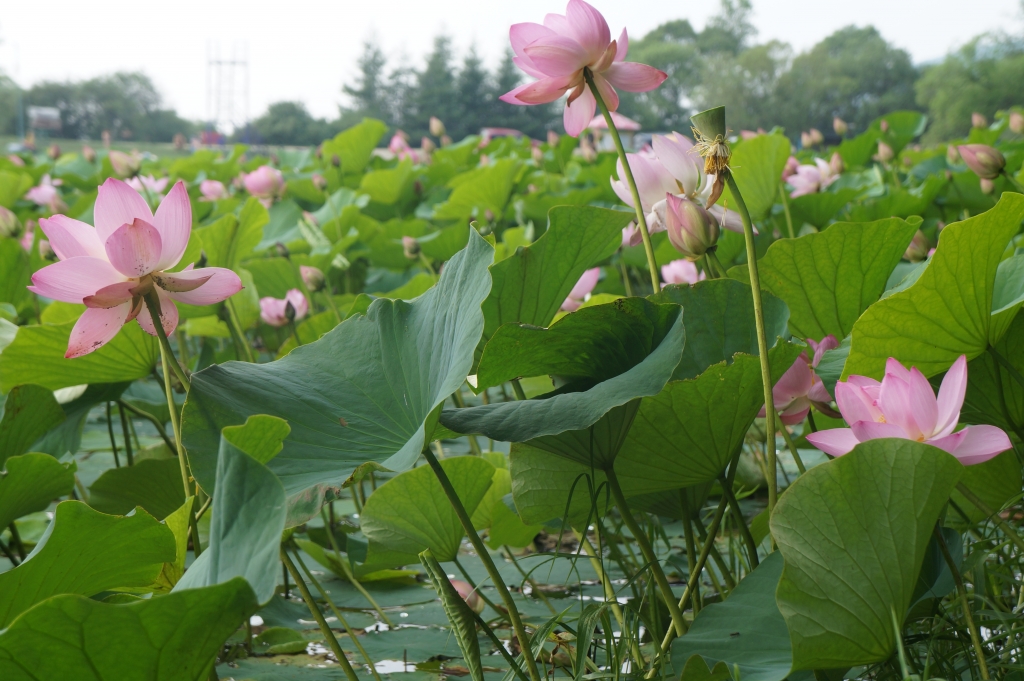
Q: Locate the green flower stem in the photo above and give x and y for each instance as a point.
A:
(748, 538)
(641, 221)
(785, 209)
(648, 551)
(295, 333)
(485, 557)
(236, 326)
(529, 580)
(332, 304)
(762, 344)
(994, 516)
(337, 614)
(965, 603)
(716, 265)
(182, 459)
(153, 305)
(730, 581)
(691, 545)
(609, 595)
(691, 584)
(343, 562)
(152, 419)
(332, 641)
(517, 388)
(127, 435)
(625, 280)
(792, 447)
(110, 432)
(1016, 185)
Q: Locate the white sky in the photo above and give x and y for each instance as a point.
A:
(306, 50)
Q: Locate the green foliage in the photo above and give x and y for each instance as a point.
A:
(30, 482)
(28, 411)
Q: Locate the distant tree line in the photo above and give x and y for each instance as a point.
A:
(853, 74)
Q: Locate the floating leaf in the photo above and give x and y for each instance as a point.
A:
(86, 552)
(947, 312)
(361, 393)
(853, 533)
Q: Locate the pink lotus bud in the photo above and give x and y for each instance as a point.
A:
(335, 161)
(16, 160)
(552, 138)
(791, 165)
(836, 163)
(986, 162)
(952, 155)
(978, 120)
(805, 140)
(918, 248)
(840, 126)
(53, 152)
(264, 182)
(46, 251)
(411, 247)
(312, 277)
(213, 190)
(319, 181)
(538, 155)
(280, 311)
(987, 185)
(885, 152)
(1017, 122)
(427, 146)
(436, 127)
(469, 594)
(9, 223)
(446, 141)
(125, 165)
(89, 154)
(816, 136)
(691, 228)
(884, 125)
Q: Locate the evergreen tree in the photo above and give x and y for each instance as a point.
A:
(369, 94)
(436, 93)
(473, 98)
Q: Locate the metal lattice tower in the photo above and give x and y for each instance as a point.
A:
(227, 87)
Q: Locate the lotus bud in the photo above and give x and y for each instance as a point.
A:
(805, 140)
(884, 125)
(9, 223)
(792, 163)
(335, 161)
(436, 127)
(411, 247)
(53, 152)
(1017, 122)
(885, 152)
(587, 150)
(427, 146)
(552, 138)
(978, 120)
(488, 215)
(125, 165)
(816, 136)
(289, 311)
(46, 251)
(538, 155)
(319, 181)
(282, 250)
(691, 228)
(987, 185)
(446, 140)
(469, 594)
(312, 277)
(836, 163)
(918, 248)
(89, 154)
(16, 160)
(840, 126)
(986, 162)
(952, 155)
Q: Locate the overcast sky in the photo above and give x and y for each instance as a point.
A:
(305, 50)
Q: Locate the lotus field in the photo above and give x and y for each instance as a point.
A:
(716, 407)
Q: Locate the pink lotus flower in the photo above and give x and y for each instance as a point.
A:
(792, 163)
(469, 594)
(581, 290)
(810, 179)
(904, 406)
(46, 194)
(111, 267)
(274, 311)
(800, 386)
(556, 54)
(143, 183)
(265, 183)
(212, 190)
(681, 271)
(986, 162)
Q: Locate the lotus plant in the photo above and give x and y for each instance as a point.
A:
(800, 386)
(563, 51)
(276, 312)
(113, 267)
(212, 190)
(681, 271)
(578, 294)
(903, 405)
(148, 183)
(265, 183)
(810, 179)
(46, 195)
